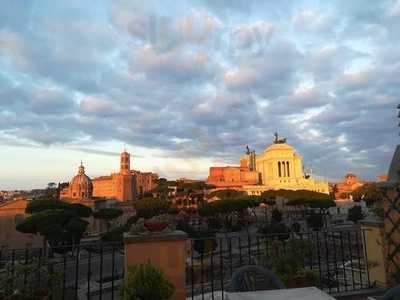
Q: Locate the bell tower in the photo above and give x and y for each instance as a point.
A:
(125, 163)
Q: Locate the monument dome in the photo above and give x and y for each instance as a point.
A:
(279, 147)
(81, 186)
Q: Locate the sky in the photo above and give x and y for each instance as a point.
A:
(185, 85)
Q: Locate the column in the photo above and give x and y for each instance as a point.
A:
(167, 251)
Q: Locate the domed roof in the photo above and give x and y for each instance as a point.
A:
(279, 147)
(81, 185)
(81, 180)
(350, 174)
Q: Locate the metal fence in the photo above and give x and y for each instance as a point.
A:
(95, 270)
(336, 257)
(86, 271)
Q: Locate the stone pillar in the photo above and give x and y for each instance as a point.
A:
(167, 251)
(374, 250)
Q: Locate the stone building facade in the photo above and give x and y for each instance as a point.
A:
(277, 167)
(80, 188)
(122, 186)
(11, 214)
(342, 190)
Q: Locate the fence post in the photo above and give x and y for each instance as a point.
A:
(372, 231)
(167, 251)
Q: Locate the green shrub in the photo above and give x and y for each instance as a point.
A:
(276, 216)
(315, 220)
(355, 214)
(296, 227)
(278, 230)
(114, 235)
(146, 282)
(149, 207)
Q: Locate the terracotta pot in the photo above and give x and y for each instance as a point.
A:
(155, 226)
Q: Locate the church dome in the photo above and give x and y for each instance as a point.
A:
(81, 186)
(279, 147)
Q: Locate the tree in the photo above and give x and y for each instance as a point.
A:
(278, 230)
(229, 209)
(291, 194)
(276, 216)
(45, 203)
(197, 185)
(150, 207)
(108, 215)
(270, 202)
(370, 193)
(355, 214)
(114, 235)
(296, 227)
(315, 220)
(227, 194)
(60, 223)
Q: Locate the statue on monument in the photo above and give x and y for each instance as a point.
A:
(279, 140)
(247, 150)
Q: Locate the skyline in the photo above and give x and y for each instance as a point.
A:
(187, 86)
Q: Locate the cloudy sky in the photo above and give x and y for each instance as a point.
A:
(184, 85)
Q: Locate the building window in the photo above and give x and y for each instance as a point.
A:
(284, 169)
(279, 169)
(287, 166)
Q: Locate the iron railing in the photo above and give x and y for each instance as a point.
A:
(336, 257)
(84, 271)
(95, 270)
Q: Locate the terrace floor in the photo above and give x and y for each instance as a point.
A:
(370, 294)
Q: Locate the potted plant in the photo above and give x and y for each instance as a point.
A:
(157, 223)
(286, 259)
(146, 282)
(34, 289)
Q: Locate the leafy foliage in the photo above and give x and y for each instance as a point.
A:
(276, 216)
(198, 185)
(40, 276)
(270, 202)
(277, 230)
(150, 207)
(58, 222)
(296, 227)
(41, 204)
(298, 194)
(228, 206)
(227, 194)
(355, 214)
(315, 220)
(286, 259)
(322, 203)
(107, 213)
(114, 235)
(146, 282)
(369, 192)
(232, 212)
